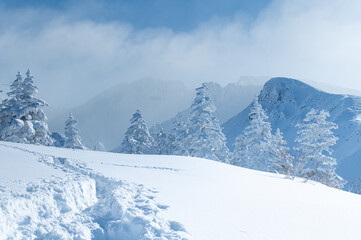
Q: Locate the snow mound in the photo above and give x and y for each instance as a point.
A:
(81, 205)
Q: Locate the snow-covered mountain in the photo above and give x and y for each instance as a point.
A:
(105, 118)
(55, 193)
(286, 102)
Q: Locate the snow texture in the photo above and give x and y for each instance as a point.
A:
(208, 199)
(74, 202)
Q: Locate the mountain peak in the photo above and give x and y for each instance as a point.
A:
(284, 90)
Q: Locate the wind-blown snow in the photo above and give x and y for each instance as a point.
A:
(119, 196)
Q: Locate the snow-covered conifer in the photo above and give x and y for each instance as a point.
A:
(160, 144)
(281, 160)
(72, 137)
(137, 139)
(180, 142)
(205, 137)
(315, 139)
(252, 146)
(22, 118)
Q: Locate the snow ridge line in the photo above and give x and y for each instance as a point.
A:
(107, 208)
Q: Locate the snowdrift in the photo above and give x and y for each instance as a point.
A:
(54, 193)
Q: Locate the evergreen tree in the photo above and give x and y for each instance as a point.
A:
(280, 158)
(137, 139)
(315, 139)
(72, 137)
(180, 142)
(160, 144)
(205, 138)
(252, 146)
(22, 119)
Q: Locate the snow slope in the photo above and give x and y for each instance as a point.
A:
(118, 196)
(286, 102)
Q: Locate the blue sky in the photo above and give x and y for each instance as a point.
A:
(179, 15)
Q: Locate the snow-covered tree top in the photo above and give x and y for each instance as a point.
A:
(202, 102)
(28, 88)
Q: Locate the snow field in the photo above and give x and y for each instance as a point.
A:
(76, 203)
(211, 200)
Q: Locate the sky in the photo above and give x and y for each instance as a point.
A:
(77, 49)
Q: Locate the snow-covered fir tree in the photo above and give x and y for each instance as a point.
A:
(252, 146)
(180, 142)
(137, 139)
(281, 160)
(22, 119)
(72, 137)
(160, 144)
(205, 137)
(315, 139)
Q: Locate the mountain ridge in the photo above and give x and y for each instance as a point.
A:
(286, 101)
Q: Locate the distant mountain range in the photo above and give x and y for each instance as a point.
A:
(105, 118)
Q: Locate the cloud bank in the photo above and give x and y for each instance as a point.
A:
(74, 58)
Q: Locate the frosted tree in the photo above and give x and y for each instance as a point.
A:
(137, 139)
(205, 137)
(315, 139)
(160, 144)
(22, 117)
(72, 137)
(281, 160)
(180, 143)
(252, 146)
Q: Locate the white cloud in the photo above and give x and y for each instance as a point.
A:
(75, 59)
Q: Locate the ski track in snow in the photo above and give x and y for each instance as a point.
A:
(146, 167)
(83, 205)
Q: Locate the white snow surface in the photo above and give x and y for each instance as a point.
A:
(55, 193)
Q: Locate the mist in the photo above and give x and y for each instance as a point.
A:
(73, 58)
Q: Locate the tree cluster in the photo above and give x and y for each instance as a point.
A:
(23, 120)
(255, 148)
